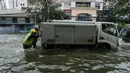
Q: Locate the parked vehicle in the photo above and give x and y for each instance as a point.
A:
(125, 33)
(98, 34)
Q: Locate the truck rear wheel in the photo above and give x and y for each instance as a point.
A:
(103, 46)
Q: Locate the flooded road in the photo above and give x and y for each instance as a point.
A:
(13, 59)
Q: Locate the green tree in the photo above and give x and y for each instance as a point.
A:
(121, 10)
(47, 10)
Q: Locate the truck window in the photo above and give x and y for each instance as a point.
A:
(109, 29)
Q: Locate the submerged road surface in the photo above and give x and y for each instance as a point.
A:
(13, 59)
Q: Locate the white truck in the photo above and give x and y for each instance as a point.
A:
(98, 34)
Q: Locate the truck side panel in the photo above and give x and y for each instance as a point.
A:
(64, 34)
(48, 33)
(85, 34)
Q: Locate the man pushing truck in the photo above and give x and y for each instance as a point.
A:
(31, 38)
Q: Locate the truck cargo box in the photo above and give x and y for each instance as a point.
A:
(68, 33)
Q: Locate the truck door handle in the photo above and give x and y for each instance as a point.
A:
(57, 36)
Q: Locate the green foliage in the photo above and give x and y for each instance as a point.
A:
(121, 11)
(47, 10)
(105, 15)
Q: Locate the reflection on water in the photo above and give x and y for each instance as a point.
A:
(13, 59)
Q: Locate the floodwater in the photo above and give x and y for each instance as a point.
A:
(14, 59)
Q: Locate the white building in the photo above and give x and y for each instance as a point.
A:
(67, 4)
(17, 4)
(78, 7)
(99, 4)
(14, 21)
(3, 4)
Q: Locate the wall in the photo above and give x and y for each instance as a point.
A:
(2, 4)
(10, 27)
(75, 12)
(7, 30)
(101, 6)
(72, 4)
(93, 4)
(20, 21)
(66, 4)
(16, 3)
(9, 4)
(92, 12)
(26, 28)
(62, 7)
(21, 2)
(15, 29)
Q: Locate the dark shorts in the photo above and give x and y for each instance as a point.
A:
(26, 46)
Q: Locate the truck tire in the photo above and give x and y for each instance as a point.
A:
(103, 46)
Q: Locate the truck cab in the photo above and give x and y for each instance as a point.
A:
(107, 35)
